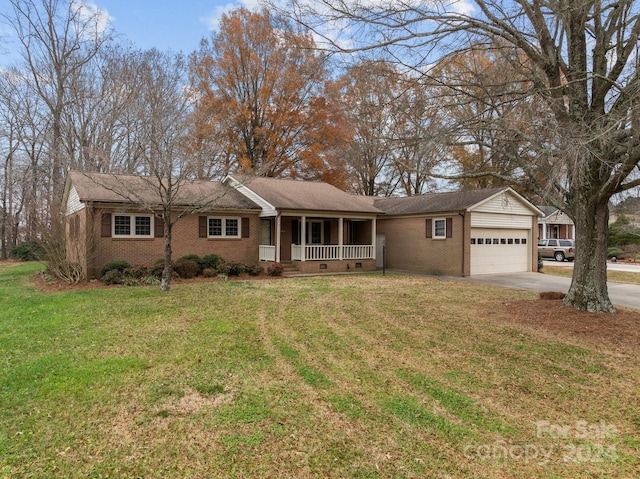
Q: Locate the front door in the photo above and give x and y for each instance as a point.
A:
(314, 232)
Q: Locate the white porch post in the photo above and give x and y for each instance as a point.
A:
(340, 238)
(278, 234)
(303, 238)
(544, 231)
(373, 237)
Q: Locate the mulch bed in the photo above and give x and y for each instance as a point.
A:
(48, 284)
(619, 330)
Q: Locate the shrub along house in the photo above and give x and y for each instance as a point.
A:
(313, 226)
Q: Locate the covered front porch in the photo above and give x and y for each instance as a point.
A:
(334, 243)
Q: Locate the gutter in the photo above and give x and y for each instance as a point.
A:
(462, 214)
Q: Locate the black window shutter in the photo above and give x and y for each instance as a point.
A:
(428, 229)
(327, 232)
(449, 227)
(202, 226)
(158, 227)
(105, 230)
(245, 227)
(295, 230)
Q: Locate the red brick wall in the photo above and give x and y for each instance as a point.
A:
(408, 248)
(311, 267)
(185, 241)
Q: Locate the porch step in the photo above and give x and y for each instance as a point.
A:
(289, 268)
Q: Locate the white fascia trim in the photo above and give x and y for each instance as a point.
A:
(268, 210)
(519, 197)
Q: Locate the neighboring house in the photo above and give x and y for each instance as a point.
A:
(460, 233)
(313, 226)
(555, 224)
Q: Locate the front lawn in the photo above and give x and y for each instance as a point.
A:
(615, 276)
(344, 376)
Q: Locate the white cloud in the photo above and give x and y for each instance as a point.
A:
(91, 12)
(213, 19)
(464, 7)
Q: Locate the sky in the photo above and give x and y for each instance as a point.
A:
(176, 25)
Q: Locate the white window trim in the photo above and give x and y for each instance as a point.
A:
(444, 234)
(224, 227)
(309, 236)
(132, 224)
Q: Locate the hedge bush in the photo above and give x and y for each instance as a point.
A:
(275, 269)
(234, 269)
(186, 268)
(254, 270)
(196, 259)
(29, 251)
(118, 265)
(212, 261)
(113, 276)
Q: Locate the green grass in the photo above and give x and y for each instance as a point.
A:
(615, 276)
(350, 376)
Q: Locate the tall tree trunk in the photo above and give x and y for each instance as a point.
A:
(165, 284)
(588, 291)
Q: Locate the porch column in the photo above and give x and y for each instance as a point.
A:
(544, 231)
(340, 238)
(278, 234)
(303, 238)
(373, 236)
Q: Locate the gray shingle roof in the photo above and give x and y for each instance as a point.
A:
(306, 195)
(108, 188)
(547, 210)
(435, 202)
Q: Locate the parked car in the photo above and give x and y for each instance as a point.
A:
(559, 249)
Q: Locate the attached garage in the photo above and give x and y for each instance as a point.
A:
(501, 234)
(460, 233)
(497, 250)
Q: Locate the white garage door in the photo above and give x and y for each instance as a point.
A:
(499, 250)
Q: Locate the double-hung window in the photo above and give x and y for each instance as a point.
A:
(132, 226)
(224, 227)
(440, 228)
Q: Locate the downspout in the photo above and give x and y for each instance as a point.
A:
(464, 242)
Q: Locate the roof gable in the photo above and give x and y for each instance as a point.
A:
(130, 189)
(462, 200)
(295, 195)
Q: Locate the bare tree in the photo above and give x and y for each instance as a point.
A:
(58, 39)
(8, 145)
(369, 90)
(166, 184)
(581, 66)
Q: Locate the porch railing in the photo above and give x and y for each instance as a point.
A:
(267, 253)
(331, 252)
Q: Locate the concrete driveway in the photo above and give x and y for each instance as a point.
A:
(621, 294)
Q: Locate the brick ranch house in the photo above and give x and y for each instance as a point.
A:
(313, 226)
(555, 224)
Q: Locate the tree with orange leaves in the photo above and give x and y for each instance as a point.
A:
(261, 97)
